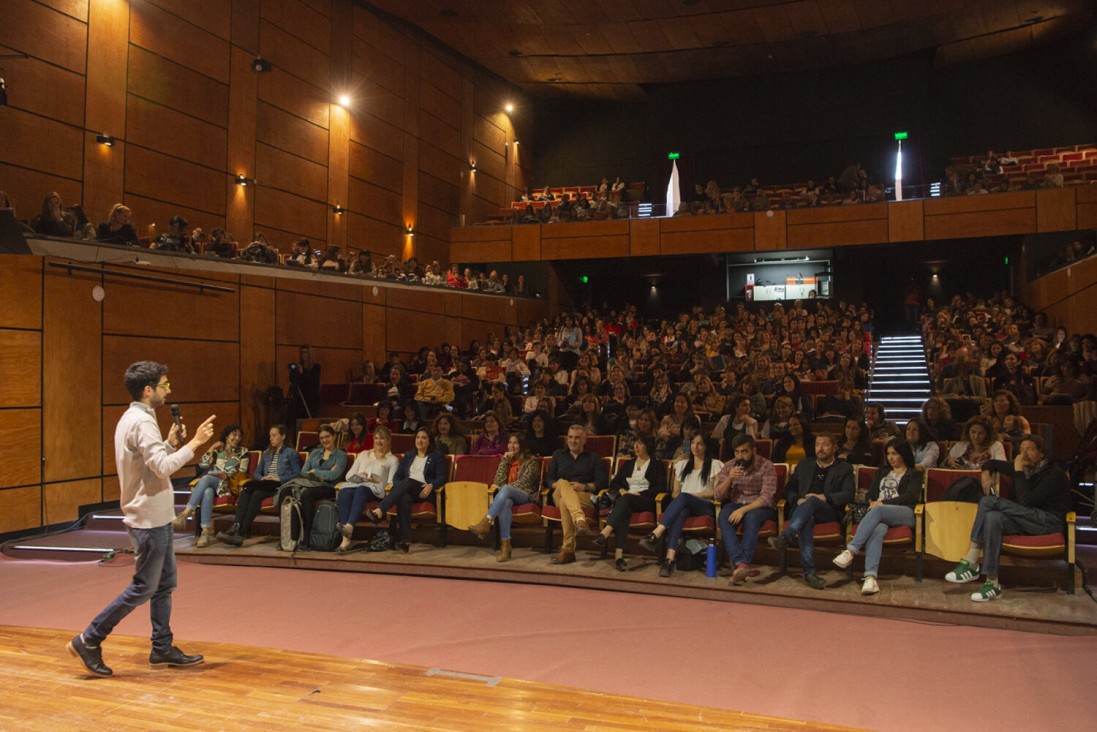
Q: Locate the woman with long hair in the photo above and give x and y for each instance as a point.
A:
(691, 495)
(894, 493)
(927, 453)
(372, 470)
(448, 435)
(517, 484)
(490, 441)
(224, 459)
(360, 438)
(420, 474)
(979, 444)
(855, 445)
(634, 488)
(795, 445)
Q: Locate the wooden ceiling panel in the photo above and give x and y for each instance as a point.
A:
(610, 47)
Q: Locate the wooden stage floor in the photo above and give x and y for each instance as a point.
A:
(1029, 607)
(244, 687)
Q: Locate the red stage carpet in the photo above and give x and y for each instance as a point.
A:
(854, 671)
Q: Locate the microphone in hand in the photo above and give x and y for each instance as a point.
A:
(177, 417)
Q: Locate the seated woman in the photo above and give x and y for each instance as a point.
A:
(490, 441)
(419, 475)
(645, 425)
(668, 436)
(927, 453)
(119, 227)
(738, 421)
(790, 387)
(855, 447)
(977, 445)
(777, 424)
(373, 469)
(1066, 386)
(360, 439)
(51, 220)
(937, 415)
(691, 492)
(634, 488)
(541, 434)
(690, 427)
(1004, 411)
(841, 405)
(517, 484)
(384, 418)
(892, 498)
(222, 461)
(795, 445)
(326, 464)
(589, 414)
(448, 435)
(278, 464)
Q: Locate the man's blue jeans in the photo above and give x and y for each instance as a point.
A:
(153, 581)
(802, 524)
(741, 551)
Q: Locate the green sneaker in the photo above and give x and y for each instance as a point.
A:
(989, 591)
(963, 572)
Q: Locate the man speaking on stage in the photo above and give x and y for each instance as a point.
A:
(145, 464)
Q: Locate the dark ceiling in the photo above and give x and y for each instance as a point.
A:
(610, 49)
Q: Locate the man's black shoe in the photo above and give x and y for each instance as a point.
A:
(779, 542)
(92, 657)
(233, 536)
(172, 657)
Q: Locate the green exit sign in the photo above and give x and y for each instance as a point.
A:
(900, 135)
(672, 156)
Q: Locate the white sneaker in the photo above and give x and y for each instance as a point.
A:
(844, 559)
(870, 587)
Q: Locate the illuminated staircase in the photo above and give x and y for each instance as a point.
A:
(900, 377)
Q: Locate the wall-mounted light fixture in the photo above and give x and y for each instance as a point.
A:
(107, 140)
(411, 230)
(344, 101)
(241, 180)
(509, 107)
(472, 167)
(338, 209)
(260, 65)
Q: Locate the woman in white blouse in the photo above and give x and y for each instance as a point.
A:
(366, 481)
(692, 489)
(634, 488)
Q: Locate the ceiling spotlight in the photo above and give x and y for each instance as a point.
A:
(107, 140)
(241, 180)
(509, 107)
(338, 209)
(260, 65)
(344, 100)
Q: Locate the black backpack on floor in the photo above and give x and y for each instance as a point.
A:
(324, 535)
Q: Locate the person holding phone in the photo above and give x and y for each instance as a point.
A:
(746, 486)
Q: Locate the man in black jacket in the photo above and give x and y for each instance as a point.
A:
(1042, 499)
(818, 493)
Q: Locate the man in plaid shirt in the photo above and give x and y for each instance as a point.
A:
(746, 487)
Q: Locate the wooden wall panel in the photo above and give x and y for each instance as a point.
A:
(303, 21)
(374, 334)
(440, 134)
(810, 236)
(240, 143)
(50, 91)
(286, 92)
(378, 135)
(21, 292)
(370, 29)
(526, 243)
(906, 221)
(278, 169)
(191, 365)
(380, 237)
(375, 168)
(177, 86)
(21, 364)
(28, 187)
(21, 436)
(490, 308)
(164, 130)
(770, 230)
(20, 508)
(1087, 216)
(421, 299)
(154, 175)
(185, 43)
(1055, 210)
(643, 237)
(179, 312)
(214, 16)
(481, 251)
(981, 223)
(72, 335)
(407, 330)
(44, 33)
(833, 214)
(384, 71)
(61, 502)
(258, 369)
(703, 241)
(585, 247)
(971, 204)
(318, 321)
(442, 194)
(148, 211)
(294, 135)
(40, 144)
(111, 489)
(374, 201)
(291, 213)
(286, 51)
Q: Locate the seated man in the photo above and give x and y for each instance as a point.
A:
(818, 492)
(574, 475)
(1042, 494)
(277, 464)
(433, 393)
(746, 487)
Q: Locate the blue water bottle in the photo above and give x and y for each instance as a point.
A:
(710, 559)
